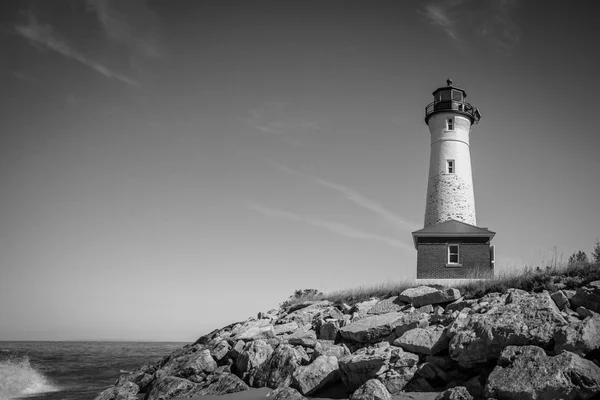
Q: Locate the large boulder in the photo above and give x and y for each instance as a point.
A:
(329, 348)
(254, 355)
(301, 337)
(317, 375)
(254, 330)
(400, 370)
(285, 328)
(523, 319)
(424, 295)
(371, 390)
(526, 372)
(329, 330)
(372, 329)
(587, 296)
(410, 321)
(358, 368)
(385, 306)
(167, 387)
(309, 312)
(126, 391)
(430, 340)
(140, 376)
(197, 364)
(581, 337)
(220, 350)
(279, 369)
(222, 384)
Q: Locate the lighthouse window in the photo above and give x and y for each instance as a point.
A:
(453, 254)
(450, 166)
(450, 124)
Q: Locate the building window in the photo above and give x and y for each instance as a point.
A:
(450, 124)
(453, 254)
(451, 166)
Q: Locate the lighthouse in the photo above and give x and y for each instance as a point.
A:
(451, 246)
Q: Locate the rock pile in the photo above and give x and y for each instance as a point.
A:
(516, 345)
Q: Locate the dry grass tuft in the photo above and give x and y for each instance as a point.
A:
(529, 279)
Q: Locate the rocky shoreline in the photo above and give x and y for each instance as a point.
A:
(425, 341)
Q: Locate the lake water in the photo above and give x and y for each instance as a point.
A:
(71, 370)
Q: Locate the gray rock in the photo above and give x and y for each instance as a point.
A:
(434, 375)
(254, 330)
(385, 306)
(526, 372)
(395, 380)
(358, 368)
(306, 315)
(371, 329)
(279, 369)
(581, 337)
(424, 295)
(455, 393)
(302, 337)
(329, 330)
(459, 304)
(328, 348)
(317, 375)
(560, 299)
(220, 350)
(584, 312)
(254, 355)
(428, 309)
(411, 321)
(524, 319)
(431, 340)
(371, 390)
(588, 296)
(285, 328)
(126, 391)
(285, 393)
(198, 363)
(167, 387)
(140, 376)
(363, 307)
(223, 384)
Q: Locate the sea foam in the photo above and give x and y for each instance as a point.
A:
(19, 378)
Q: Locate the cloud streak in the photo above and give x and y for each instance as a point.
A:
(120, 30)
(332, 226)
(489, 20)
(439, 15)
(272, 119)
(355, 197)
(43, 35)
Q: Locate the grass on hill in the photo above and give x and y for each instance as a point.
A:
(529, 279)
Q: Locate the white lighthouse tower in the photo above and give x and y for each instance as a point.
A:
(451, 246)
(450, 185)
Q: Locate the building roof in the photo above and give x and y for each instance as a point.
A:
(452, 228)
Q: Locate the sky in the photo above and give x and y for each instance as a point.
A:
(170, 167)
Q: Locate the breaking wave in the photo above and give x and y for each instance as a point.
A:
(19, 378)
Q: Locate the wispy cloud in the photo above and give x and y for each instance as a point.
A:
(44, 36)
(133, 30)
(490, 20)
(498, 28)
(440, 15)
(274, 119)
(355, 197)
(332, 226)
(22, 76)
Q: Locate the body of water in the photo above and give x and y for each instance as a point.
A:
(71, 370)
